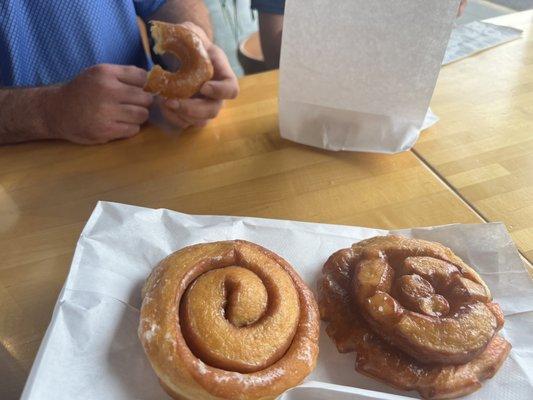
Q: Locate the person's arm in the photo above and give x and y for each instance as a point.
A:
(103, 103)
(270, 30)
(22, 114)
(271, 27)
(462, 7)
(178, 11)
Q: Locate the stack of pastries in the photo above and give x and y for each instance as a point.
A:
(416, 316)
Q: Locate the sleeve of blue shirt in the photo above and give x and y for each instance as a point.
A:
(145, 8)
(269, 6)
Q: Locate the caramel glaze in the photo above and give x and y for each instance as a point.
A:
(195, 65)
(377, 357)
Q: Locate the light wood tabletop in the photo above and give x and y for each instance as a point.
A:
(483, 145)
(237, 165)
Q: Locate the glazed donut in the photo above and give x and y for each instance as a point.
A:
(195, 66)
(417, 317)
(228, 320)
(415, 298)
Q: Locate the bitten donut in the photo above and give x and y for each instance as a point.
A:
(228, 320)
(417, 317)
(195, 66)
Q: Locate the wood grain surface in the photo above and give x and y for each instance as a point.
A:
(483, 145)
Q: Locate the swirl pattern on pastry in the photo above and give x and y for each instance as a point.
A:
(228, 320)
(414, 297)
(417, 290)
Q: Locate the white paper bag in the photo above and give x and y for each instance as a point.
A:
(357, 74)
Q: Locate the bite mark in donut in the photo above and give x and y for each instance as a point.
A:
(195, 66)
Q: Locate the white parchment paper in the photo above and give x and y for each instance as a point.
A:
(91, 350)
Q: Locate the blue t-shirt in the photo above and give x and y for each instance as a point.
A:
(43, 42)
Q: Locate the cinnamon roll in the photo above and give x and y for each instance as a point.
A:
(228, 320)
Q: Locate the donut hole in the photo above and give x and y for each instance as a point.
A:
(171, 63)
(170, 50)
(187, 64)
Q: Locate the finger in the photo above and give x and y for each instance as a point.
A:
(174, 107)
(174, 119)
(221, 90)
(224, 84)
(131, 75)
(198, 109)
(120, 130)
(462, 7)
(221, 66)
(201, 124)
(128, 130)
(132, 114)
(136, 96)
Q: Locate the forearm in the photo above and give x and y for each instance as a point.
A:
(270, 31)
(23, 114)
(178, 11)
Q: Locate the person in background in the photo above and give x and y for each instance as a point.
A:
(75, 70)
(270, 13)
(271, 25)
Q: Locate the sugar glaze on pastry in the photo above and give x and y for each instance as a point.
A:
(228, 320)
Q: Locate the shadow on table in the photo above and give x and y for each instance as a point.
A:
(11, 374)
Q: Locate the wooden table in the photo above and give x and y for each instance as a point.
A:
(238, 165)
(483, 147)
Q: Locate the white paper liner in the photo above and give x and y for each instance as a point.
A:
(91, 350)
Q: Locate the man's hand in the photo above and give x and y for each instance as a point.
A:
(462, 7)
(103, 103)
(198, 110)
